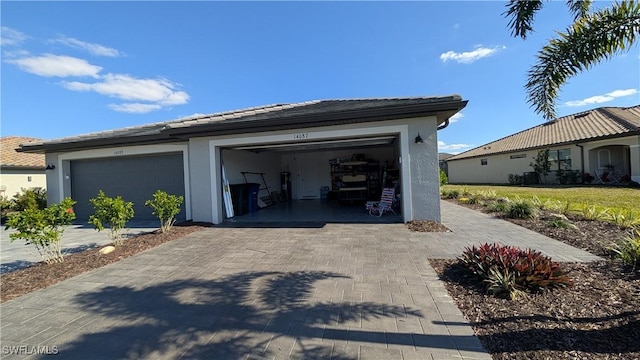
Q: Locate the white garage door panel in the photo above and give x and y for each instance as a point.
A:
(133, 178)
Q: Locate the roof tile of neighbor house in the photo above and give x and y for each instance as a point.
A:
(600, 123)
(10, 158)
(263, 118)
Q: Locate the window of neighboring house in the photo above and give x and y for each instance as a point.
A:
(483, 161)
(519, 156)
(560, 159)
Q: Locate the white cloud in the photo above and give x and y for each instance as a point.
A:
(93, 49)
(12, 54)
(147, 94)
(50, 65)
(598, 99)
(9, 36)
(135, 108)
(126, 87)
(456, 117)
(469, 57)
(453, 148)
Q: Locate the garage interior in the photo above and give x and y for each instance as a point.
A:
(313, 181)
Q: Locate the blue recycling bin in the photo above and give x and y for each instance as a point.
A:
(253, 190)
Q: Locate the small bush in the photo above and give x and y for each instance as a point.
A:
(559, 222)
(513, 271)
(625, 218)
(498, 207)
(591, 212)
(488, 194)
(515, 179)
(522, 209)
(587, 178)
(43, 228)
(628, 249)
(35, 198)
(165, 208)
(444, 179)
(450, 194)
(115, 212)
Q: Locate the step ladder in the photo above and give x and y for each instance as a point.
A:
(267, 199)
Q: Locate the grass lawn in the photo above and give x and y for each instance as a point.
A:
(615, 199)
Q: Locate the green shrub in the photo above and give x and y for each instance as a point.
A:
(625, 218)
(488, 194)
(521, 209)
(498, 207)
(115, 212)
(35, 198)
(559, 222)
(515, 179)
(513, 271)
(450, 194)
(43, 228)
(165, 208)
(444, 179)
(591, 212)
(628, 249)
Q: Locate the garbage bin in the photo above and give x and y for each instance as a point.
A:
(253, 190)
(239, 198)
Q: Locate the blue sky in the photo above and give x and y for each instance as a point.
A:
(76, 67)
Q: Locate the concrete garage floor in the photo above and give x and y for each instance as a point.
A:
(315, 211)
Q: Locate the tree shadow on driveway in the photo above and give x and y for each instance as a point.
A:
(264, 314)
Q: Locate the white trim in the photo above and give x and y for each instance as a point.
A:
(216, 144)
(122, 151)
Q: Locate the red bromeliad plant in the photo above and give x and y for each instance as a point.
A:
(509, 269)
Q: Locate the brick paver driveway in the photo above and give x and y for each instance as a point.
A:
(340, 291)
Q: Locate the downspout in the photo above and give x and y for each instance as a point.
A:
(446, 123)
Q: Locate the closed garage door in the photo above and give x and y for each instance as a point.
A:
(133, 178)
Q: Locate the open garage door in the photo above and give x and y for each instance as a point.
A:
(134, 178)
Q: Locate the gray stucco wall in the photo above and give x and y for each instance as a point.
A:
(201, 181)
(425, 178)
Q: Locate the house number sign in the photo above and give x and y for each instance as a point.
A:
(301, 136)
(118, 152)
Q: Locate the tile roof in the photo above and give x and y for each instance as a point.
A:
(9, 157)
(261, 118)
(604, 122)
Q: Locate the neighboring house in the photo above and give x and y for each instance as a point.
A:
(603, 142)
(442, 162)
(186, 156)
(19, 170)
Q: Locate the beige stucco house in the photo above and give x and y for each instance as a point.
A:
(603, 142)
(392, 139)
(19, 170)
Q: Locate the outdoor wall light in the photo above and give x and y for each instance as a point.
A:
(50, 167)
(419, 139)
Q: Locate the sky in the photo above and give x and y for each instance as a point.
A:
(69, 68)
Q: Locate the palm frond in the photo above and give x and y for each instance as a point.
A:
(579, 8)
(591, 39)
(521, 13)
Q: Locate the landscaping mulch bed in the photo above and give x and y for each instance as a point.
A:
(426, 226)
(597, 318)
(41, 275)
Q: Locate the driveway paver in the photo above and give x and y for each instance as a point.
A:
(341, 291)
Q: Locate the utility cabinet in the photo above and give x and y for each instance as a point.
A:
(355, 181)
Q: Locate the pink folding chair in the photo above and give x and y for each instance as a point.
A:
(377, 208)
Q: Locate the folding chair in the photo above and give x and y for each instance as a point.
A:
(377, 208)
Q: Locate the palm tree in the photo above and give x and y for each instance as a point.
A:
(592, 38)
